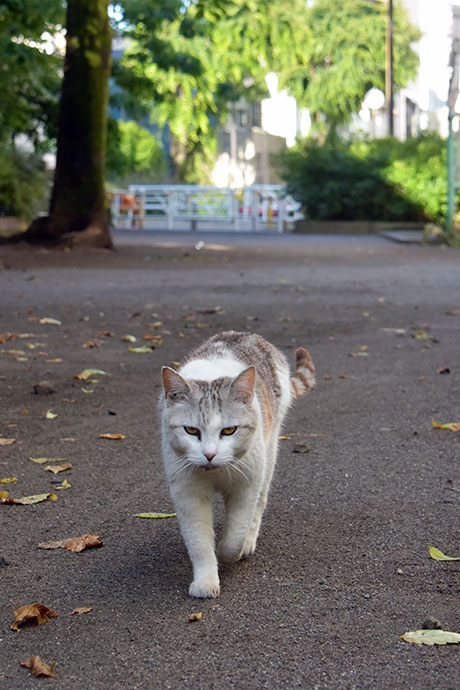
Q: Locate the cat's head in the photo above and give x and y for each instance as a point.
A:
(209, 423)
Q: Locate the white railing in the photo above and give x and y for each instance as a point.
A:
(178, 207)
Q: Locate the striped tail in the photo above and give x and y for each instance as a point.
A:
(304, 378)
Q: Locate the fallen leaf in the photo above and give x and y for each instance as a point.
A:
(39, 668)
(421, 335)
(87, 390)
(86, 541)
(213, 310)
(51, 322)
(452, 426)
(75, 544)
(81, 609)
(453, 312)
(50, 414)
(8, 480)
(32, 614)
(143, 349)
(156, 324)
(438, 555)
(4, 494)
(129, 338)
(30, 500)
(113, 437)
(195, 617)
(43, 388)
(43, 461)
(55, 469)
(92, 343)
(301, 448)
(87, 373)
(65, 485)
(443, 370)
(431, 637)
(155, 515)
(7, 441)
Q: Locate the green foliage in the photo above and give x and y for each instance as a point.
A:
(382, 179)
(347, 57)
(190, 60)
(133, 153)
(29, 79)
(24, 183)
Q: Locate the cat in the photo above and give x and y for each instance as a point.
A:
(221, 415)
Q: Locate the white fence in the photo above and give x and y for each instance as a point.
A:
(184, 207)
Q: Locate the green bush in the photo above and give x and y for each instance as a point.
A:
(382, 179)
(24, 183)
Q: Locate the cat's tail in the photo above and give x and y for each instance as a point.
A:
(304, 378)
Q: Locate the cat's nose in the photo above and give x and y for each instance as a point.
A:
(210, 456)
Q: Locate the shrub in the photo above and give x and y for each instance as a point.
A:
(382, 179)
(24, 183)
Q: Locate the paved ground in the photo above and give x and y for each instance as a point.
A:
(342, 568)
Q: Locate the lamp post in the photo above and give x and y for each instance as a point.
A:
(389, 68)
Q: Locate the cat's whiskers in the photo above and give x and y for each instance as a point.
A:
(236, 465)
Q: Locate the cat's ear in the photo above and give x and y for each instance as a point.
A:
(242, 388)
(174, 386)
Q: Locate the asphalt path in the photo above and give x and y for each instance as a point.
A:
(364, 483)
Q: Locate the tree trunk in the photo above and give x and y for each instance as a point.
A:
(78, 211)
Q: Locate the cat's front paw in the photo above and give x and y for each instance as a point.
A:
(206, 588)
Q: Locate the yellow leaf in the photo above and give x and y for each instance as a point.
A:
(195, 617)
(55, 469)
(155, 515)
(143, 349)
(51, 415)
(87, 373)
(43, 461)
(438, 555)
(431, 637)
(113, 437)
(51, 322)
(65, 485)
(4, 494)
(453, 426)
(129, 338)
(8, 480)
(30, 500)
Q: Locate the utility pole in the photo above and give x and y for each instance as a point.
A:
(389, 69)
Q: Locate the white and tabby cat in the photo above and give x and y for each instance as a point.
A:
(221, 417)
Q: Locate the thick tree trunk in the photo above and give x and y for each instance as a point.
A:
(78, 211)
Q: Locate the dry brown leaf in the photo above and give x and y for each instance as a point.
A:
(81, 609)
(32, 614)
(113, 437)
(39, 668)
(75, 544)
(86, 541)
(195, 617)
(92, 343)
(7, 441)
(55, 469)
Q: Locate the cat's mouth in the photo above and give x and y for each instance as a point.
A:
(208, 467)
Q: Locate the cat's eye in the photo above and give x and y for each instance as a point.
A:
(192, 431)
(228, 431)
